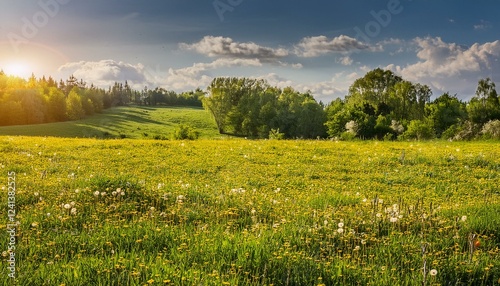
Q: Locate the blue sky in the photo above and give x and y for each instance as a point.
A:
(316, 45)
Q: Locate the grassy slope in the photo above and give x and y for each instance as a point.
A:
(183, 219)
(133, 122)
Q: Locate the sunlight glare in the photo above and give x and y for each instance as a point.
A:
(19, 69)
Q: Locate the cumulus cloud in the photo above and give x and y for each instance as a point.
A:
(198, 75)
(320, 45)
(444, 64)
(346, 61)
(104, 73)
(226, 47)
(325, 91)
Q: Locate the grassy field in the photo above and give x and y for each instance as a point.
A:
(130, 122)
(241, 212)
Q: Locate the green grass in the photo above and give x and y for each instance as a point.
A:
(244, 212)
(130, 122)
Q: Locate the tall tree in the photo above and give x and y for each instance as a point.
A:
(444, 112)
(484, 106)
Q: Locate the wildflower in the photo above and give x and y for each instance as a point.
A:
(77, 191)
(113, 193)
(357, 248)
(103, 194)
(122, 193)
(180, 198)
(67, 206)
(73, 211)
(72, 204)
(464, 218)
(340, 230)
(433, 272)
(393, 219)
(34, 224)
(36, 194)
(96, 193)
(253, 211)
(341, 224)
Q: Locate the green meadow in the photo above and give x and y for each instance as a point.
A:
(124, 122)
(244, 212)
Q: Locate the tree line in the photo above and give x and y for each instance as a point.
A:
(380, 105)
(44, 100)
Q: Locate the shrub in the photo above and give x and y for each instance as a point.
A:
(491, 130)
(183, 132)
(420, 130)
(467, 131)
(276, 134)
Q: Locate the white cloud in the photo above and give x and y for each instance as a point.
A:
(346, 61)
(104, 73)
(225, 47)
(198, 75)
(448, 65)
(484, 25)
(321, 45)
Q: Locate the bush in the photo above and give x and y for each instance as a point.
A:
(467, 131)
(183, 132)
(491, 130)
(420, 130)
(276, 134)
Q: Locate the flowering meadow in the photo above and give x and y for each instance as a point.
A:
(244, 212)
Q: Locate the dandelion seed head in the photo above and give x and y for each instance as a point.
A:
(67, 206)
(433, 272)
(341, 225)
(96, 193)
(73, 211)
(340, 230)
(463, 218)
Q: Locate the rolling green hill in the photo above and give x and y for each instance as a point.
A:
(130, 122)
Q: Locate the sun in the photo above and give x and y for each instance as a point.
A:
(19, 69)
